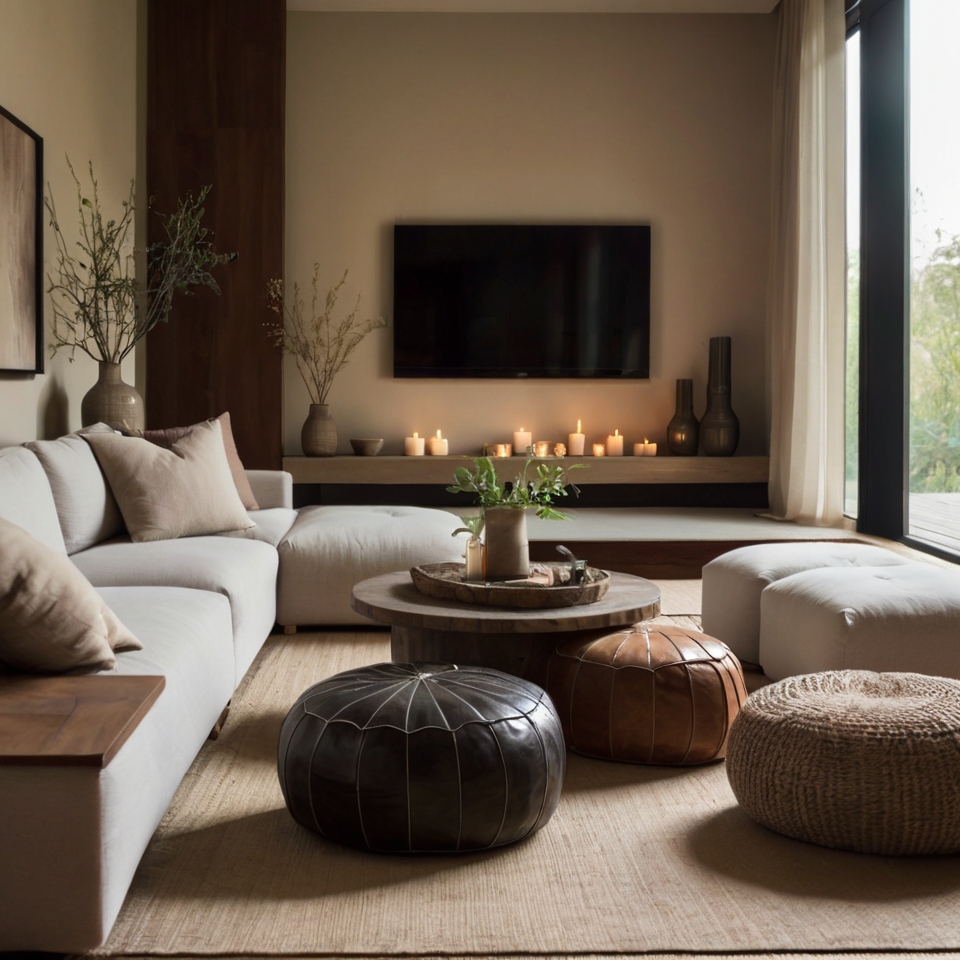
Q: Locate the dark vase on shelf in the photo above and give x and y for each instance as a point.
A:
(683, 431)
(719, 428)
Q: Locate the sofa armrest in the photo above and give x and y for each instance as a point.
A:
(272, 488)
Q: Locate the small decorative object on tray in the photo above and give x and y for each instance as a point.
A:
(549, 585)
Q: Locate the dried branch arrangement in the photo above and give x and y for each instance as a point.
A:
(99, 305)
(321, 346)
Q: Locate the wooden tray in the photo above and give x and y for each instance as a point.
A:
(445, 582)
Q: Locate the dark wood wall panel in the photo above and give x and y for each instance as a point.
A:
(215, 115)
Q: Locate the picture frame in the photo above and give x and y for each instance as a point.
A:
(21, 247)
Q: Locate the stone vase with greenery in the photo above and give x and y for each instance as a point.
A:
(101, 306)
(504, 509)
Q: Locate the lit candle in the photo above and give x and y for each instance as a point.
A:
(503, 450)
(413, 446)
(473, 555)
(615, 444)
(541, 448)
(599, 450)
(575, 442)
(438, 447)
(521, 440)
(645, 449)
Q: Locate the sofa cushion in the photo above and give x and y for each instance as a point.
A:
(270, 526)
(330, 549)
(51, 618)
(26, 498)
(186, 491)
(86, 507)
(244, 571)
(166, 438)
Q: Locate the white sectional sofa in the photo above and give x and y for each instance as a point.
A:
(71, 836)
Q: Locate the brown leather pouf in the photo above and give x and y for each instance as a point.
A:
(654, 694)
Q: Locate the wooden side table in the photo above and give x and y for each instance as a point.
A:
(515, 641)
(71, 720)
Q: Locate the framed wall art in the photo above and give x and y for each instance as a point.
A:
(21, 247)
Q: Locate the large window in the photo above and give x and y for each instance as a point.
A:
(934, 301)
(908, 295)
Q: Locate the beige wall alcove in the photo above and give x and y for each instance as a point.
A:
(545, 118)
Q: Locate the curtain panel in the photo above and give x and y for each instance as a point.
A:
(807, 279)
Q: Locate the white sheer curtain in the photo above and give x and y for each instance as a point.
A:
(807, 266)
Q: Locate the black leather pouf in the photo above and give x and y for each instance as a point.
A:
(422, 758)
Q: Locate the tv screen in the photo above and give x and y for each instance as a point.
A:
(498, 300)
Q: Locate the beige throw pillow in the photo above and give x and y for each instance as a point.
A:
(51, 618)
(169, 436)
(186, 491)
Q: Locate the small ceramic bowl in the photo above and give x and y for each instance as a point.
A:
(366, 447)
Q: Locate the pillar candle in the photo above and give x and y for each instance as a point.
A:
(599, 450)
(438, 447)
(521, 440)
(615, 444)
(638, 449)
(645, 449)
(575, 442)
(413, 446)
(651, 450)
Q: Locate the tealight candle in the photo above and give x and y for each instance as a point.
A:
(645, 449)
(521, 440)
(541, 448)
(438, 447)
(599, 450)
(413, 446)
(615, 444)
(575, 442)
(503, 449)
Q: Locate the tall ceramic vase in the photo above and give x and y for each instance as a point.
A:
(719, 428)
(505, 543)
(319, 434)
(113, 402)
(683, 431)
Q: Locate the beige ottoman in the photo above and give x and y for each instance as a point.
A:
(733, 583)
(330, 549)
(853, 760)
(862, 618)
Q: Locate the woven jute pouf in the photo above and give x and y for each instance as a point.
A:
(422, 758)
(660, 695)
(854, 760)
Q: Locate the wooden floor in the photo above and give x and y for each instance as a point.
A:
(935, 518)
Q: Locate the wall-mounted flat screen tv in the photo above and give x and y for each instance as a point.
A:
(508, 300)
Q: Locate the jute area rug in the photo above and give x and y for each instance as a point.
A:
(636, 860)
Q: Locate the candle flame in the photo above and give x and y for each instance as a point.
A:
(578, 427)
(415, 434)
(645, 440)
(616, 433)
(438, 435)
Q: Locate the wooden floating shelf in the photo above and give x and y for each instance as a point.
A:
(429, 470)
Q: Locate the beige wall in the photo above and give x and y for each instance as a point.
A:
(647, 118)
(68, 71)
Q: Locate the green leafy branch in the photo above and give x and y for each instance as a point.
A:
(548, 483)
(99, 306)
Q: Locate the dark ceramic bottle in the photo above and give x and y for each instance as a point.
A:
(683, 431)
(719, 428)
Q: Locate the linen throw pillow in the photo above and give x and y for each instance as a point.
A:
(51, 618)
(186, 491)
(169, 436)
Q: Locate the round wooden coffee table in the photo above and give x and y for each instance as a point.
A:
(515, 641)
